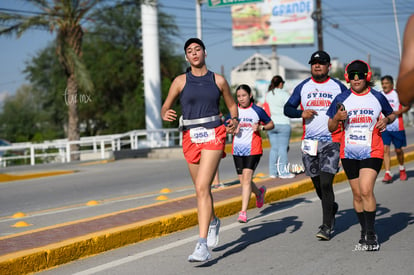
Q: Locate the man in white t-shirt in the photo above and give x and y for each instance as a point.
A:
(320, 147)
(395, 132)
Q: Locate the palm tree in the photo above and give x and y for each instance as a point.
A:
(63, 17)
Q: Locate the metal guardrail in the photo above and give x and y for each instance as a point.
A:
(95, 147)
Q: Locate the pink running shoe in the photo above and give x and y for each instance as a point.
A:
(387, 178)
(403, 175)
(260, 199)
(242, 217)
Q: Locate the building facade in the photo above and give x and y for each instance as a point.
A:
(258, 70)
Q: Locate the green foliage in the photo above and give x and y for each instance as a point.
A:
(21, 116)
(112, 56)
(339, 74)
(49, 86)
(63, 18)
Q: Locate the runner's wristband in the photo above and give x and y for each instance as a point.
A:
(388, 120)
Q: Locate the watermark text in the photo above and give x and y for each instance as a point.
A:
(75, 99)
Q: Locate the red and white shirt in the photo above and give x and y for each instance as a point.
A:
(392, 97)
(361, 139)
(248, 142)
(317, 96)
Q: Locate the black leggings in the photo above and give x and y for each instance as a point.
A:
(323, 185)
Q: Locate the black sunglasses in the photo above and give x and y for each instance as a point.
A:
(360, 75)
(320, 62)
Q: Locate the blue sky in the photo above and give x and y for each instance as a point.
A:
(353, 29)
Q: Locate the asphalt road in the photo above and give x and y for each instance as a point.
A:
(114, 186)
(279, 239)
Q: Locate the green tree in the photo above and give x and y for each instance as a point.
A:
(339, 74)
(65, 18)
(114, 56)
(48, 83)
(21, 116)
(112, 53)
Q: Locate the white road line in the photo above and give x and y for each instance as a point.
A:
(186, 241)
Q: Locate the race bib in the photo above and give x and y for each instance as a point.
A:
(202, 135)
(310, 147)
(359, 137)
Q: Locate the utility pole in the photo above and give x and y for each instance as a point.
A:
(275, 61)
(151, 58)
(397, 29)
(198, 19)
(317, 16)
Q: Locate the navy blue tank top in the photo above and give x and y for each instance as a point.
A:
(199, 98)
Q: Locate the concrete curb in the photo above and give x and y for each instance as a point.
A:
(41, 258)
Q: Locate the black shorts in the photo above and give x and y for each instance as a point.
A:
(243, 162)
(352, 166)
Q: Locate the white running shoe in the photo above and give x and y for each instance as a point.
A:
(213, 233)
(287, 176)
(200, 254)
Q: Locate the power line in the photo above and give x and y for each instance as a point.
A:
(388, 60)
(374, 46)
(15, 11)
(355, 37)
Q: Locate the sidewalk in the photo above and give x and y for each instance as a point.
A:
(48, 247)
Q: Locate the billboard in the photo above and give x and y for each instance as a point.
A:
(273, 22)
(220, 3)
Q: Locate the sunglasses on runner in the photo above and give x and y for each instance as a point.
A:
(360, 75)
(320, 62)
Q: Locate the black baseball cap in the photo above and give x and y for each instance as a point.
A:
(194, 40)
(320, 56)
(357, 66)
